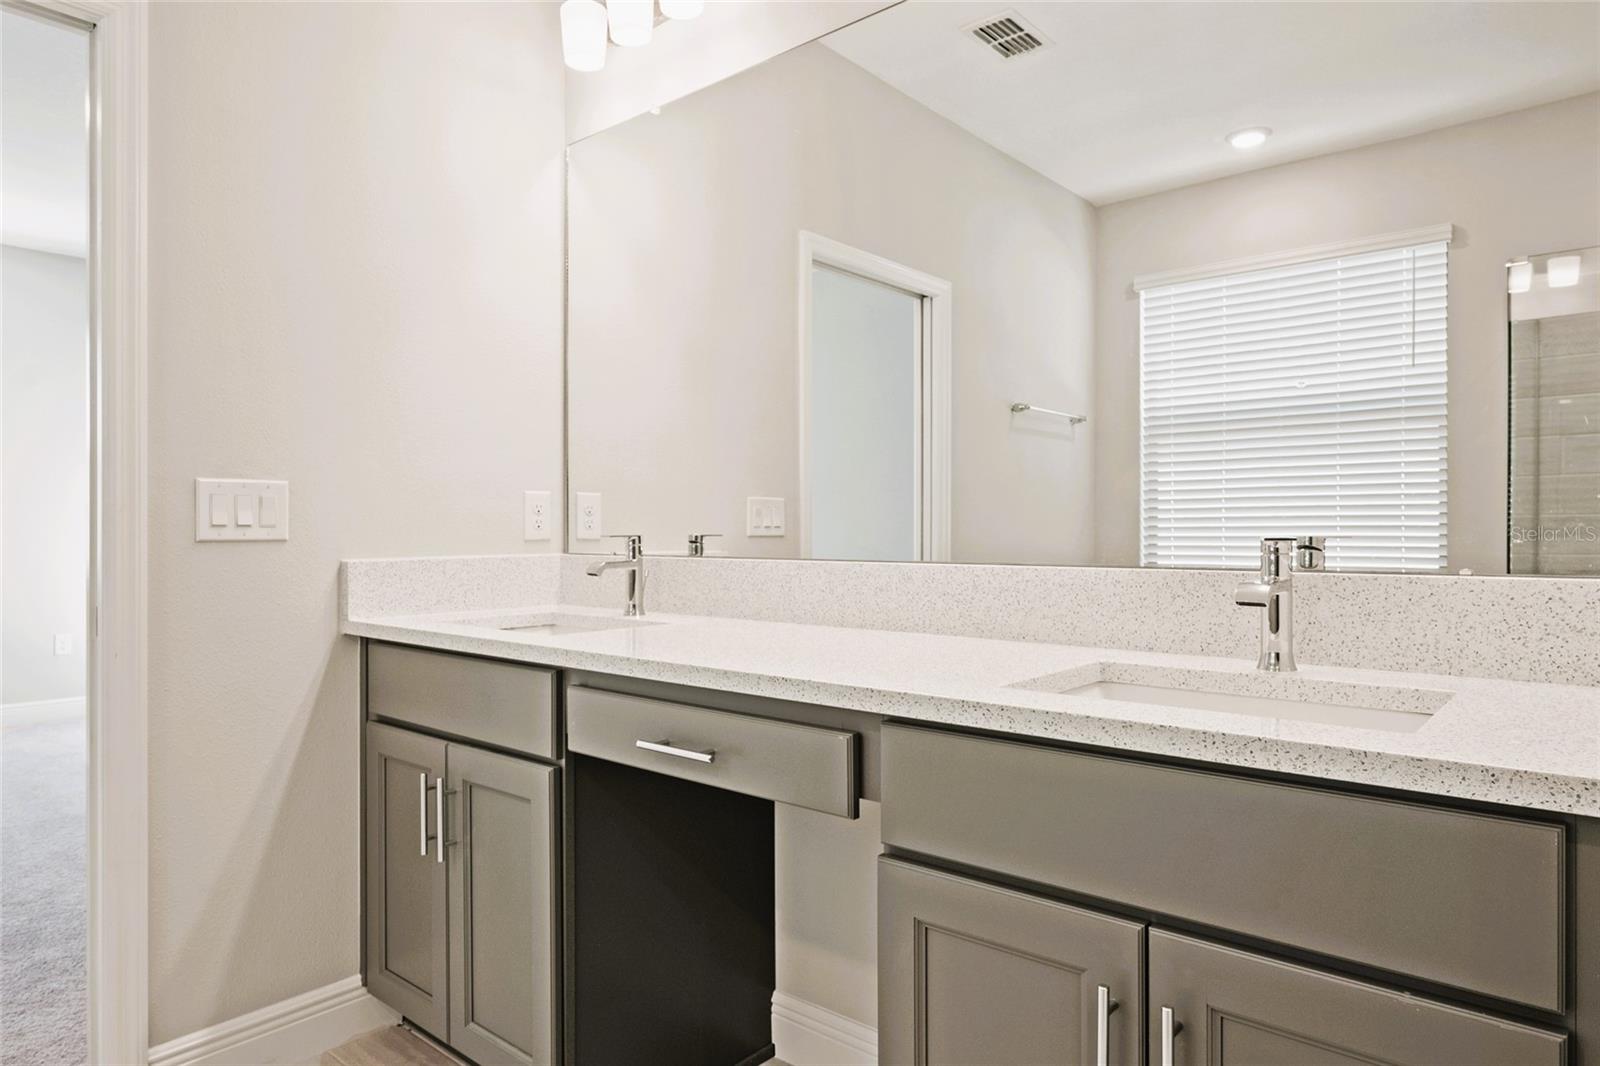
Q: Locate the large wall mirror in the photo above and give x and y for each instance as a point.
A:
(1105, 284)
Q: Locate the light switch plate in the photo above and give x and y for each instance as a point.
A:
(535, 516)
(586, 524)
(231, 509)
(763, 516)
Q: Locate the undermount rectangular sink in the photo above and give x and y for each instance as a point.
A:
(1265, 695)
(556, 624)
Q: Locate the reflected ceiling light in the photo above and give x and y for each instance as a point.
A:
(1561, 272)
(682, 9)
(631, 21)
(1254, 137)
(1519, 276)
(583, 34)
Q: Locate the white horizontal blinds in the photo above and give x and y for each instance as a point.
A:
(1303, 399)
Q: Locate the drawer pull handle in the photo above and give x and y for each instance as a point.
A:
(1103, 1009)
(1170, 1028)
(666, 747)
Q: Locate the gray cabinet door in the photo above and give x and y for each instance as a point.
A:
(406, 963)
(971, 973)
(502, 838)
(1236, 1008)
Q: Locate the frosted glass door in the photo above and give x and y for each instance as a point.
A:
(864, 393)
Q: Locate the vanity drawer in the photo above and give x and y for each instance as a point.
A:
(506, 705)
(1465, 900)
(804, 765)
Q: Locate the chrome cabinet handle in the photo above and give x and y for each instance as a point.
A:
(1104, 1006)
(422, 813)
(439, 841)
(438, 818)
(666, 747)
(1170, 1028)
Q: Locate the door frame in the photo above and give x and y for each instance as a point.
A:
(117, 722)
(933, 381)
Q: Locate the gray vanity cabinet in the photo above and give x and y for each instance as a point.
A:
(407, 964)
(971, 973)
(503, 915)
(461, 901)
(1226, 1007)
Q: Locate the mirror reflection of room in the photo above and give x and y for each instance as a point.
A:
(1555, 412)
(1180, 305)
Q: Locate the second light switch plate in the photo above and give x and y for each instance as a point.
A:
(763, 516)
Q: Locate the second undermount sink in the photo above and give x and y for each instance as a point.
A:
(1285, 696)
(557, 623)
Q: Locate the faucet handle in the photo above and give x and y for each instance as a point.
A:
(697, 542)
(634, 543)
(1310, 553)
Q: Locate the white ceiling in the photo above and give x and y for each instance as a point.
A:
(1133, 98)
(44, 140)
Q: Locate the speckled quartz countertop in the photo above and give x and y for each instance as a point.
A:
(1513, 742)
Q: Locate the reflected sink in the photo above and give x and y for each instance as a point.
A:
(1283, 696)
(556, 624)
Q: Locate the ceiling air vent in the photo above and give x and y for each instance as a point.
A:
(1008, 35)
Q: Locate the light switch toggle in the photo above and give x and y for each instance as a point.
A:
(239, 509)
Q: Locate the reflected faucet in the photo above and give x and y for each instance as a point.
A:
(1273, 592)
(634, 565)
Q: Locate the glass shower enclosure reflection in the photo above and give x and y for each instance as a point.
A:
(1554, 497)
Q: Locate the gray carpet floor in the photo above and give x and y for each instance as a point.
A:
(43, 892)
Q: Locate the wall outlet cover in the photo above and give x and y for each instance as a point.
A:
(63, 644)
(536, 516)
(763, 516)
(586, 521)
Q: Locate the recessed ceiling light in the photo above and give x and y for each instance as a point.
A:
(1254, 137)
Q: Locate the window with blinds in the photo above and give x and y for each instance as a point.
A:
(1300, 399)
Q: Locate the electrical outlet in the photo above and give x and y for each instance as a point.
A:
(586, 516)
(763, 516)
(535, 516)
(63, 643)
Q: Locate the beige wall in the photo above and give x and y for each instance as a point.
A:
(684, 308)
(355, 264)
(1518, 184)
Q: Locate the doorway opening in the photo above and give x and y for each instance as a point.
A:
(45, 509)
(874, 406)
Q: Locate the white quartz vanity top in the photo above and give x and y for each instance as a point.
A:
(1512, 742)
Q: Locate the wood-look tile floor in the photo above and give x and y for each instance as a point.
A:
(395, 1045)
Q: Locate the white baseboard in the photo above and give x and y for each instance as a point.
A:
(294, 1032)
(808, 1035)
(33, 712)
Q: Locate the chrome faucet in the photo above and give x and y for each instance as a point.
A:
(634, 565)
(697, 543)
(1273, 592)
